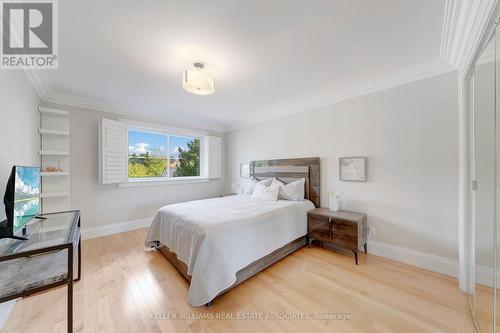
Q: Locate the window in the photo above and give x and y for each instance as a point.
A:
(184, 156)
(161, 155)
(131, 154)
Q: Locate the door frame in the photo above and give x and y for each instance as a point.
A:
(466, 234)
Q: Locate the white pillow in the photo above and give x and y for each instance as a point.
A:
(269, 193)
(277, 182)
(292, 191)
(249, 188)
(267, 182)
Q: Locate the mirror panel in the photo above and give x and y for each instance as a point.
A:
(484, 196)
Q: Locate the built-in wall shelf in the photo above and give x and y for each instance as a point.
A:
(54, 194)
(52, 131)
(53, 174)
(53, 112)
(54, 152)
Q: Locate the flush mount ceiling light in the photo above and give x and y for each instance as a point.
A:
(198, 80)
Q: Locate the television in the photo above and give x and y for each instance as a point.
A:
(21, 199)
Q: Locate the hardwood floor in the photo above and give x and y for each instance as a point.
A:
(484, 309)
(123, 285)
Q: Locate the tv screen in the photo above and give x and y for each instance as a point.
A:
(26, 195)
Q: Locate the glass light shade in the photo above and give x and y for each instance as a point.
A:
(198, 81)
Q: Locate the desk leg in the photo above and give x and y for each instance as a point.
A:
(355, 256)
(79, 259)
(70, 307)
(70, 289)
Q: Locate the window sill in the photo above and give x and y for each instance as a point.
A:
(163, 182)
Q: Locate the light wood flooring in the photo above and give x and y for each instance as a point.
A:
(123, 284)
(484, 309)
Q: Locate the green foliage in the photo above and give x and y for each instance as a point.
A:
(136, 170)
(144, 166)
(189, 160)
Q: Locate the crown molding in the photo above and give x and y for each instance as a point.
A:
(43, 85)
(475, 27)
(86, 103)
(448, 32)
(408, 75)
(464, 24)
(79, 102)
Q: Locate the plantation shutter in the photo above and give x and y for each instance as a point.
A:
(213, 151)
(113, 155)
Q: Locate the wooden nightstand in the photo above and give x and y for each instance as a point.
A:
(342, 228)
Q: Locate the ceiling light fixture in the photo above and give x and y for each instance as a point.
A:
(198, 80)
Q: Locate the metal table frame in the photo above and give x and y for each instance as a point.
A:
(68, 245)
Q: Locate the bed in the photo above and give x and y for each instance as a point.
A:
(218, 243)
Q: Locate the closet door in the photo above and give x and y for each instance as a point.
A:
(496, 302)
(484, 189)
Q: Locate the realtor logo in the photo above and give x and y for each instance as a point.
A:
(29, 34)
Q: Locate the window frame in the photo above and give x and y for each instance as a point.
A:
(168, 132)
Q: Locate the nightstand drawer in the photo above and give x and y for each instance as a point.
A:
(345, 233)
(341, 228)
(319, 227)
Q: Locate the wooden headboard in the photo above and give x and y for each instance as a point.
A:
(288, 170)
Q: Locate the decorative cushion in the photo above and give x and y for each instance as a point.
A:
(291, 191)
(249, 188)
(264, 192)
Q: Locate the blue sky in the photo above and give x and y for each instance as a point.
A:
(27, 176)
(140, 143)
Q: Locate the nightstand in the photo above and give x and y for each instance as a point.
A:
(342, 228)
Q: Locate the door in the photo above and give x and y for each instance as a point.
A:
(484, 188)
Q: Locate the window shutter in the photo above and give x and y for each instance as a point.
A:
(113, 156)
(213, 151)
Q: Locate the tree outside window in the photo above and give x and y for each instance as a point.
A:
(154, 155)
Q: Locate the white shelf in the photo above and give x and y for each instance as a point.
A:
(53, 152)
(54, 194)
(52, 174)
(53, 132)
(53, 112)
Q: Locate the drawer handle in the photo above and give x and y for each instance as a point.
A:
(330, 227)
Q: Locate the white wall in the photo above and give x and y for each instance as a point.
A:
(410, 136)
(108, 204)
(18, 135)
(18, 125)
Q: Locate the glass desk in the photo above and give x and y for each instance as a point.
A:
(46, 260)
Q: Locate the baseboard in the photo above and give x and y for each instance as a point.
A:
(115, 228)
(415, 258)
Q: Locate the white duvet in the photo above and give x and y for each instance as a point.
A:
(217, 237)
